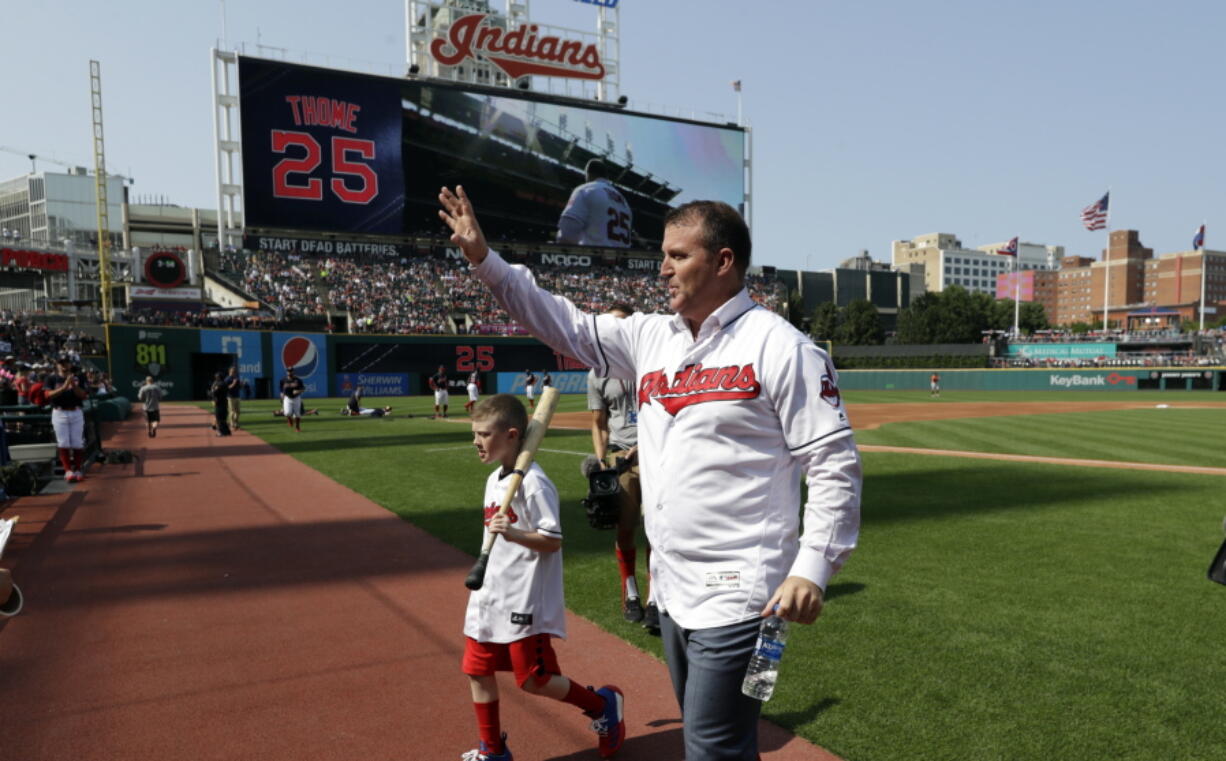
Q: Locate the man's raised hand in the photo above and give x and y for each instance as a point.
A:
(466, 233)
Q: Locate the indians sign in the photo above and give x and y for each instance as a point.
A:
(518, 53)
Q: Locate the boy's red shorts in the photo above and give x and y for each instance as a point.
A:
(528, 657)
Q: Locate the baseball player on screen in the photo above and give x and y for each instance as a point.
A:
(735, 405)
(596, 214)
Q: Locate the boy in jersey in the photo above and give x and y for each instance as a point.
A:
(530, 387)
(438, 383)
(512, 618)
(596, 214)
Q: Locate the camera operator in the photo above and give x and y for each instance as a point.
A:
(614, 440)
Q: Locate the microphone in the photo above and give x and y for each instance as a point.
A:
(590, 465)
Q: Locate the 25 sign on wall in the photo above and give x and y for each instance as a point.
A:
(469, 358)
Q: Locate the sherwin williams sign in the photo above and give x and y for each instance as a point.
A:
(307, 353)
(1062, 351)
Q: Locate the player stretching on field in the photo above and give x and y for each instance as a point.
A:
(615, 437)
(512, 618)
(438, 383)
(292, 389)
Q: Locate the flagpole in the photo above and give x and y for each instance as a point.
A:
(1107, 263)
(1204, 265)
(1017, 291)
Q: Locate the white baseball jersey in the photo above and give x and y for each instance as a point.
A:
(522, 594)
(603, 212)
(728, 422)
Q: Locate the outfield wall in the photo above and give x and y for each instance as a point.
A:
(182, 360)
(1121, 379)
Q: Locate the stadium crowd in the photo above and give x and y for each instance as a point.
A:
(424, 295)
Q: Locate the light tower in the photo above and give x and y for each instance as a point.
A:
(104, 240)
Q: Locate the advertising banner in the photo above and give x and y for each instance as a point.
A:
(1079, 350)
(373, 384)
(244, 344)
(566, 381)
(307, 354)
(165, 354)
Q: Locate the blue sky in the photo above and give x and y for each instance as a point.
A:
(873, 121)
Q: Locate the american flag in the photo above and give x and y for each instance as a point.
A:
(1010, 248)
(1198, 242)
(1094, 216)
(736, 85)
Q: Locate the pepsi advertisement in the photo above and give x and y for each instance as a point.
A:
(307, 354)
(244, 344)
(321, 149)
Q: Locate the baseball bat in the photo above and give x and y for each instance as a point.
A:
(532, 441)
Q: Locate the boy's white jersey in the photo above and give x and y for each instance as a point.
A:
(522, 594)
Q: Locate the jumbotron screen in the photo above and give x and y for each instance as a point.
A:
(339, 152)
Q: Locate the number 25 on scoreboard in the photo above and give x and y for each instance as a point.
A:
(286, 184)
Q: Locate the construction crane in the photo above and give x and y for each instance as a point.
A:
(35, 158)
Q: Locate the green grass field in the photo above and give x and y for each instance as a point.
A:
(993, 610)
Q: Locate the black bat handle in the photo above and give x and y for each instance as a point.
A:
(476, 577)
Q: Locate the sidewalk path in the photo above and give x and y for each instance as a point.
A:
(194, 606)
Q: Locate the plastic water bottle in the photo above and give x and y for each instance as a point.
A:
(763, 669)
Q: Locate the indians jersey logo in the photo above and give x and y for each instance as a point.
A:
(300, 355)
(492, 509)
(830, 392)
(697, 384)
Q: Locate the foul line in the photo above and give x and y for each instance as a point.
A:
(1197, 469)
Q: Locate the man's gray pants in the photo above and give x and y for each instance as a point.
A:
(707, 667)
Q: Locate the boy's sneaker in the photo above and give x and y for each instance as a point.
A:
(481, 752)
(632, 610)
(651, 619)
(611, 724)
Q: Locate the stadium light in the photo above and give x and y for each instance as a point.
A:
(622, 101)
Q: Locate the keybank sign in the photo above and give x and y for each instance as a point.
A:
(1105, 381)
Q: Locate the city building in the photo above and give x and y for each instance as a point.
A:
(946, 261)
(1145, 293)
(856, 278)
